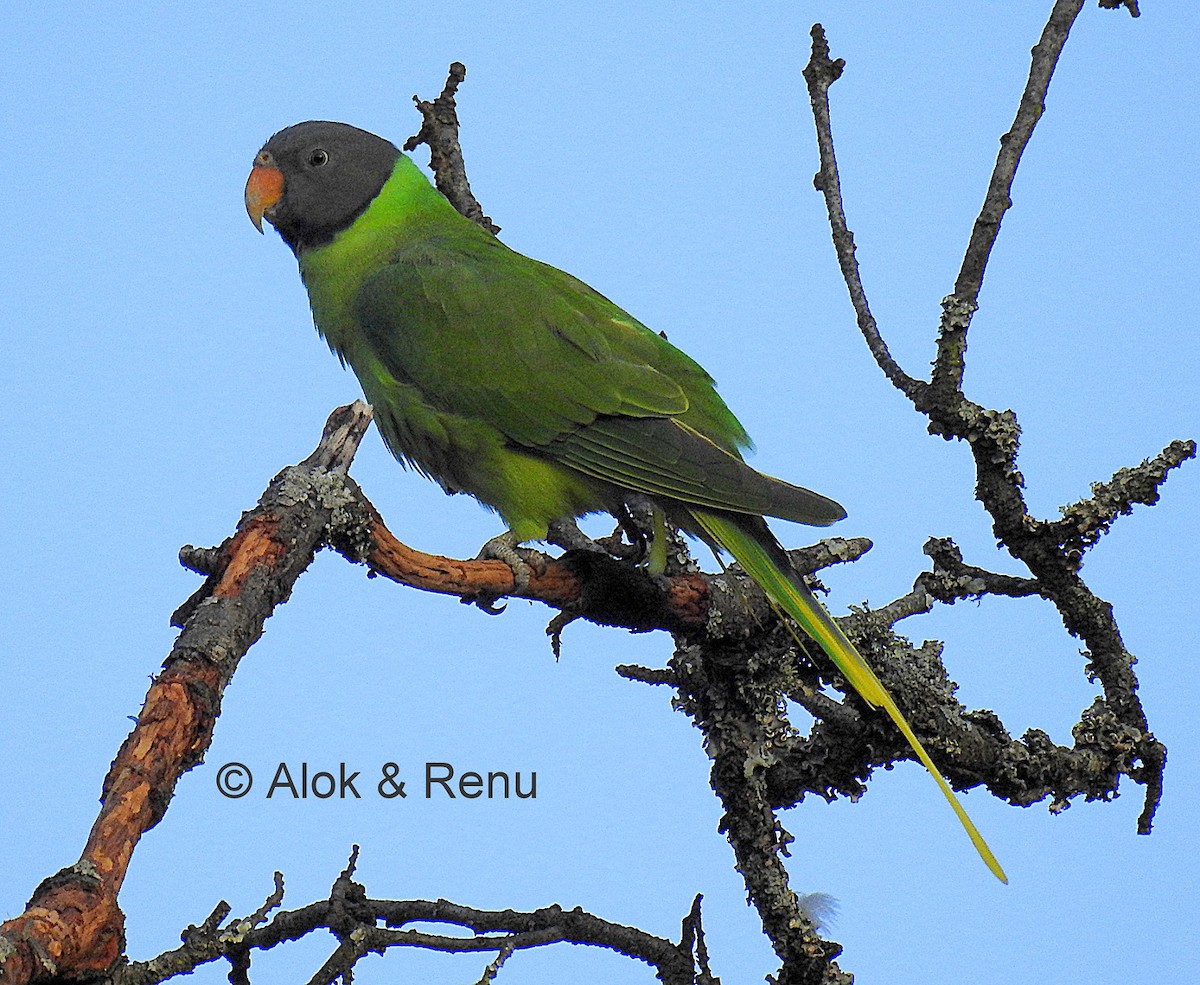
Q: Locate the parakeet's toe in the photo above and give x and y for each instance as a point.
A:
(522, 561)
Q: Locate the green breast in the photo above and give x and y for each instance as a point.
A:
(404, 212)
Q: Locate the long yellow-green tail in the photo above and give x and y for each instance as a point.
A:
(766, 562)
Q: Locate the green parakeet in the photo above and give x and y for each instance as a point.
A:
(505, 378)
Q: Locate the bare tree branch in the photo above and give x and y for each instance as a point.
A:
(1130, 5)
(355, 920)
(998, 198)
(820, 73)
(440, 132)
(1052, 551)
(72, 925)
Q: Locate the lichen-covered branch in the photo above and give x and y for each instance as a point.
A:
(1084, 522)
(73, 925)
(732, 695)
(1052, 550)
(952, 579)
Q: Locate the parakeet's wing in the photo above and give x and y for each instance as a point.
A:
(665, 457)
(488, 334)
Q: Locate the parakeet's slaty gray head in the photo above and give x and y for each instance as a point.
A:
(331, 172)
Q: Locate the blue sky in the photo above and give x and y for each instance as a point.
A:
(160, 367)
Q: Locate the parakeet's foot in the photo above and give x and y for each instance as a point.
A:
(520, 560)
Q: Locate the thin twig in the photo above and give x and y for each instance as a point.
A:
(949, 365)
(820, 73)
(440, 132)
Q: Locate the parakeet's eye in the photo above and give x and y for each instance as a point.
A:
(318, 158)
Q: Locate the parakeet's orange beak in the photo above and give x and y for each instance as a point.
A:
(264, 188)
